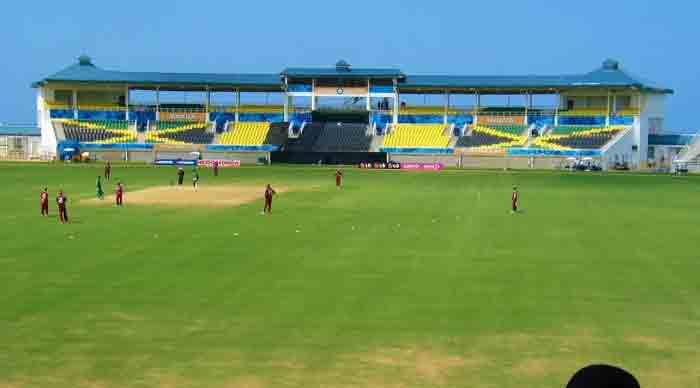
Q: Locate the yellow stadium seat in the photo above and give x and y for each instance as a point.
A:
(246, 134)
(417, 136)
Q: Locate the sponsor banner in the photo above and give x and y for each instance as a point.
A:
(115, 146)
(485, 119)
(235, 148)
(339, 91)
(380, 165)
(222, 163)
(403, 150)
(175, 162)
(183, 116)
(545, 152)
(422, 166)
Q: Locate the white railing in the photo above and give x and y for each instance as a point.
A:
(691, 150)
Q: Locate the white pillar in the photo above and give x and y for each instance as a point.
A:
(158, 104)
(614, 104)
(527, 107)
(369, 102)
(395, 118)
(478, 107)
(208, 103)
(447, 107)
(75, 104)
(607, 114)
(313, 95)
(556, 111)
(286, 107)
(126, 101)
(238, 104)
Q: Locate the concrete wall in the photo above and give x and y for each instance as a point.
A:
(446, 160)
(244, 157)
(621, 150)
(508, 162)
(43, 119)
(652, 107)
(149, 156)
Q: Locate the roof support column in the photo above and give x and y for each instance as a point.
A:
(369, 101)
(607, 113)
(556, 110)
(126, 101)
(528, 105)
(313, 95)
(478, 107)
(395, 113)
(238, 105)
(158, 103)
(75, 103)
(208, 103)
(447, 107)
(287, 100)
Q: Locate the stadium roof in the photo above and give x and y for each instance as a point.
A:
(609, 75)
(86, 72)
(343, 70)
(19, 130)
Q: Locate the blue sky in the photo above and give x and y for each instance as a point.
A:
(657, 40)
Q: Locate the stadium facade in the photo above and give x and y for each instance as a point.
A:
(606, 114)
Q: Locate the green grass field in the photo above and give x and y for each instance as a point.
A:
(397, 280)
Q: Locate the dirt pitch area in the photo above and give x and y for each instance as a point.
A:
(182, 196)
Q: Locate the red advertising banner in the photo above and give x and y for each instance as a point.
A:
(422, 166)
(209, 163)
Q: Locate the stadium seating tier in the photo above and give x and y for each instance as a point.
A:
(100, 132)
(417, 136)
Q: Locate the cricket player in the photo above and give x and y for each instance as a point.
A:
(108, 170)
(44, 201)
(195, 178)
(514, 200)
(269, 192)
(120, 194)
(180, 176)
(338, 178)
(98, 188)
(216, 168)
(62, 202)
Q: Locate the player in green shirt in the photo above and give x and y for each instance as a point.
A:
(98, 188)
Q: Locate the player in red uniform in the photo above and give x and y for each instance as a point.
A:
(120, 194)
(216, 168)
(269, 192)
(108, 170)
(62, 201)
(338, 178)
(514, 200)
(44, 201)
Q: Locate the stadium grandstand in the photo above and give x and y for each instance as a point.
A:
(344, 114)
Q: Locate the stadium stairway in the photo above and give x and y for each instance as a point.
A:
(376, 143)
(307, 138)
(691, 152)
(58, 130)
